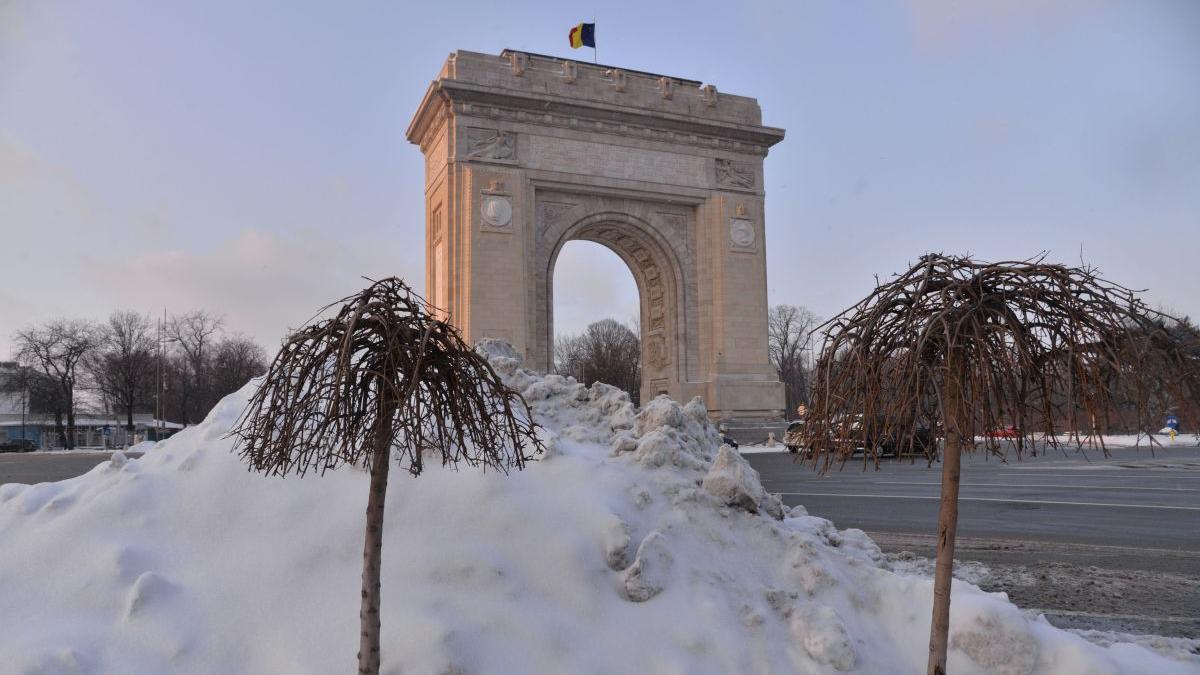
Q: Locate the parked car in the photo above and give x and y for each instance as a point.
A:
(1010, 431)
(922, 442)
(18, 445)
(792, 438)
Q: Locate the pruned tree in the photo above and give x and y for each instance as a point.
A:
(193, 334)
(122, 368)
(607, 351)
(789, 335)
(58, 348)
(383, 377)
(967, 347)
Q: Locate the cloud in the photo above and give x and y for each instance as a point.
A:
(950, 24)
(262, 283)
(592, 283)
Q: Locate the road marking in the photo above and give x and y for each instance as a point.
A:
(1027, 485)
(1104, 468)
(1101, 615)
(990, 499)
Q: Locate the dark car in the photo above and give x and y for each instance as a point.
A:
(922, 442)
(793, 437)
(18, 445)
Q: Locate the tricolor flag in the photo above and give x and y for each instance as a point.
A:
(583, 35)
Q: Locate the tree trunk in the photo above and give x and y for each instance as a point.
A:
(59, 429)
(368, 646)
(70, 444)
(939, 630)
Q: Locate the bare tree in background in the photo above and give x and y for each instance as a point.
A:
(608, 351)
(124, 365)
(194, 334)
(235, 361)
(58, 348)
(382, 377)
(970, 346)
(569, 355)
(789, 336)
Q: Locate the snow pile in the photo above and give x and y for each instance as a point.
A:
(144, 446)
(636, 545)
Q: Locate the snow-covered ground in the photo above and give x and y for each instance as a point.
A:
(633, 546)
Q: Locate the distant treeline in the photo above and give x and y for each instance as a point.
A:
(176, 369)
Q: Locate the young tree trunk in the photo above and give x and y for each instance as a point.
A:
(939, 630)
(368, 615)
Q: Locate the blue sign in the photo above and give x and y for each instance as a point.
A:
(1173, 422)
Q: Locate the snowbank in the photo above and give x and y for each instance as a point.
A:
(631, 547)
(144, 446)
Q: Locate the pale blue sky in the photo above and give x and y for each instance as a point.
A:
(252, 160)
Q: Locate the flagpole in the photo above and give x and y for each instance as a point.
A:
(595, 50)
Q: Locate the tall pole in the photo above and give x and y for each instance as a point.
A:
(160, 385)
(24, 396)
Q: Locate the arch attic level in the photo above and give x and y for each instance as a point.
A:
(524, 152)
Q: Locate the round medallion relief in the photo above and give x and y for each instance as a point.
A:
(497, 211)
(741, 233)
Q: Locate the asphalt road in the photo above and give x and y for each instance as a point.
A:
(40, 467)
(1130, 498)
(1110, 543)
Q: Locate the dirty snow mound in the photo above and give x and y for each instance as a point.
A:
(636, 544)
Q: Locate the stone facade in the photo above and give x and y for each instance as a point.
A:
(524, 153)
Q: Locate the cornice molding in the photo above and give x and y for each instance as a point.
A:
(474, 100)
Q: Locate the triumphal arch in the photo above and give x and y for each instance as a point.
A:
(525, 152)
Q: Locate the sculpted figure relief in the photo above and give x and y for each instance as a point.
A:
(490, 144)
(656, 351)
(734, 174)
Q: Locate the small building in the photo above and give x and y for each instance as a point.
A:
(98, 431)
(91, 431)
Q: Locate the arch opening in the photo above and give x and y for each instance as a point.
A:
(595, 318)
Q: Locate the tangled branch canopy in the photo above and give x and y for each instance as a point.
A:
(1026, 346)
(383, 369)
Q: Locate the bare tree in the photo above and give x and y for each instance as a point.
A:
(58, 348)
(194, 334)
(569, 355)
(123, 367)
(382, 377)
(970, 346)
(789, 335)
(608, 351)
(235, 360)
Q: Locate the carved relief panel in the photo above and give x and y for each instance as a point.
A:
(734, 175)
(491, 145)
(495, 209)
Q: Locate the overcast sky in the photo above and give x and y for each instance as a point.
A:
(252, 161)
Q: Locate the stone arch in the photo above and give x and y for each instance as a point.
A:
(525, 152)
(661, 287)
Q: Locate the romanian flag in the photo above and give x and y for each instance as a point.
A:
(583, 35)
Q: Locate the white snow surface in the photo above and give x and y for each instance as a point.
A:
(607, 555)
